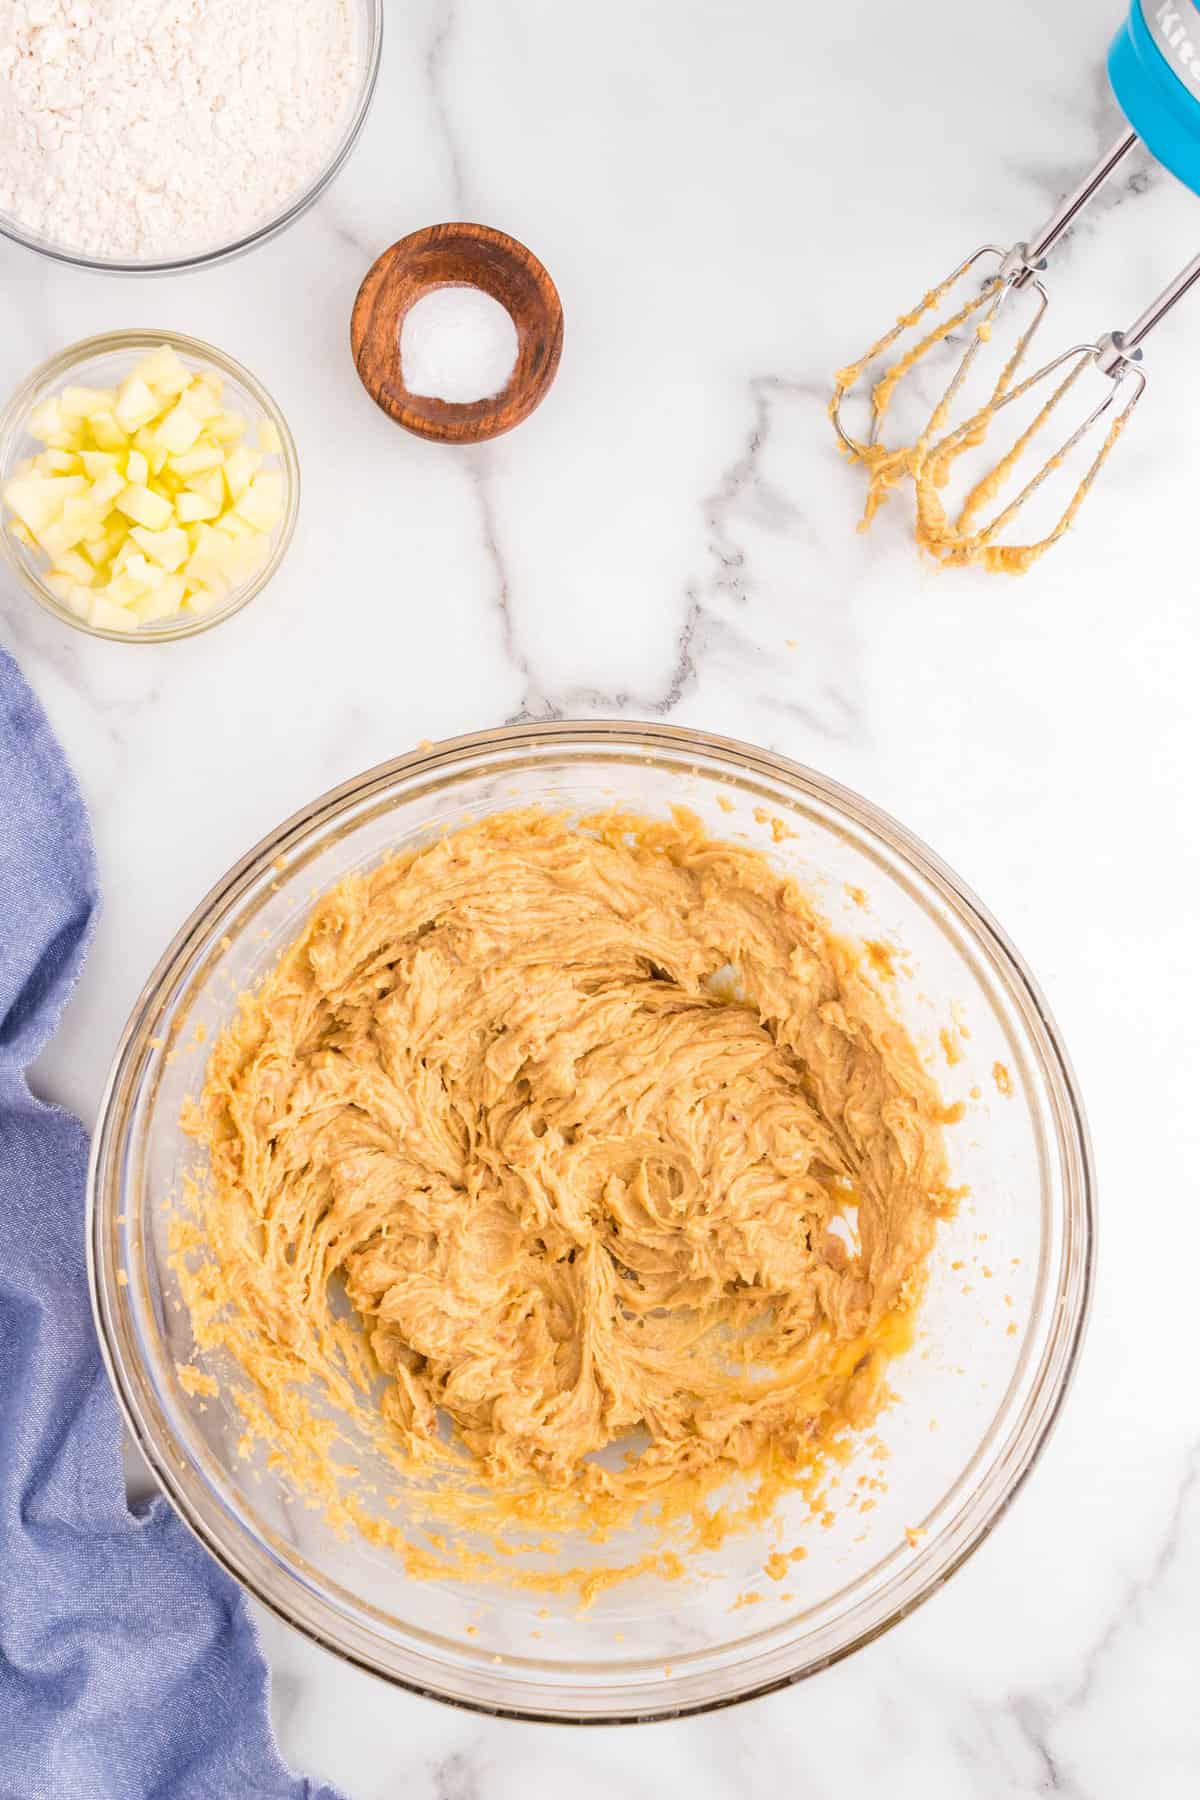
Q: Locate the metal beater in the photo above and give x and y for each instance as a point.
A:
(1154, 70)
(1118, 355)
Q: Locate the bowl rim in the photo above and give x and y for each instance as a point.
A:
(14, 419)
(1050, 1381)
(205, 259)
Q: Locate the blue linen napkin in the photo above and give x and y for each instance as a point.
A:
(129, 1666)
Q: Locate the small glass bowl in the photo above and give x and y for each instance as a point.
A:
(369, 25)
(104, 362)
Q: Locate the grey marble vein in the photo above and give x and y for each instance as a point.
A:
(1042, 1717)
(573, 699)
(770, 574)
(437, 58)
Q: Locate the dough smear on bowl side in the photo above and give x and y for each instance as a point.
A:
(579, 1171)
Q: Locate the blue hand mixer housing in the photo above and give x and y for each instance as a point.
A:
(1154, 71)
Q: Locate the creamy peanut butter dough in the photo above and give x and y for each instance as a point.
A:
(577, 1163)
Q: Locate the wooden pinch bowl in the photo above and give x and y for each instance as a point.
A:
(459, 255)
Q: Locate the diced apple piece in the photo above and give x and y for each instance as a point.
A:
(262, 512)
(76, 567)
(45, 421)
(38, 500)
(82, 402)
(81, 506)
(139, 568)
(144, 507)
(160, 602)
(59, 462)
(34, 501)
(252, 552)
(203, 398)
(106, 490)
(100, 556)
(212, 559)
(270, 484)
(195, 462)
(137, 469)
(116, 535)
(202, 535)
(168, 548)
(136, 403)
(106, 433)
(228, 428)
(147, 442)
(211, 484)
(269, 440)
(165, 372)
(262, 503)
(232, 554)
(98, 462)
(189, 508)
(179, 430)
(108, 617)
(57, 539)
(206, 597)
(241, 466)
(74, 596)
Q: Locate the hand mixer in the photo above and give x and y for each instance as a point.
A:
(1154, 70)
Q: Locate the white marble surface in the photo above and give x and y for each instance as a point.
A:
(732, 194)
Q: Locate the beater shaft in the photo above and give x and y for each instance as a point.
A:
(1127, 342)
(1066, 212)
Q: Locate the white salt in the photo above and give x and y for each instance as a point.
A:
(457, 344)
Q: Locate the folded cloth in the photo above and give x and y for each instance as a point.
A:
(129, 1666)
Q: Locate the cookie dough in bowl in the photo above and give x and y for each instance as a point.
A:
(574, 1115)
(590, 1221)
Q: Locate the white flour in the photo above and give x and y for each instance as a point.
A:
(153, 129)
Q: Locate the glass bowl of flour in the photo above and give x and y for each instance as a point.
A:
(150, 136)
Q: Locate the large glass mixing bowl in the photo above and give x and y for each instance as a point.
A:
(1000, 1326)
